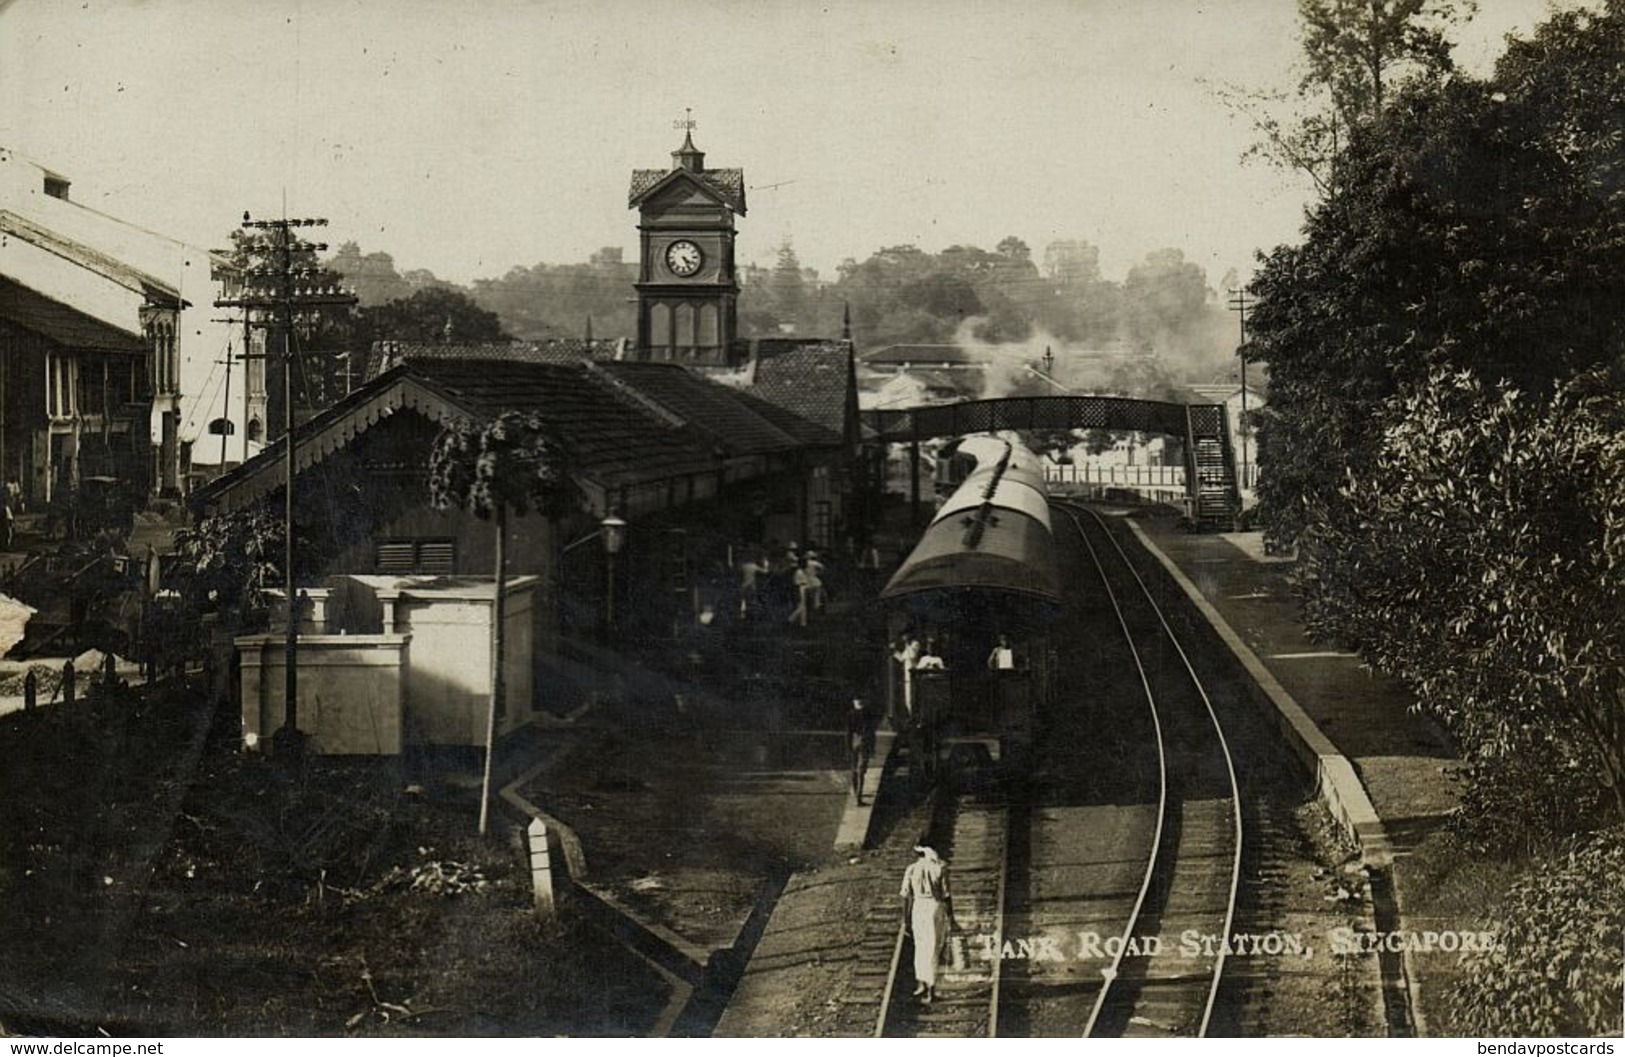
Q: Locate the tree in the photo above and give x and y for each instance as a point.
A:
(1014, 249)
(374, 278)
(267, 258)
(549, 301)
(1465, 232)
(1477, 555)
(1354, 51)
(430, 316)
(512, 464)
(1164, 299)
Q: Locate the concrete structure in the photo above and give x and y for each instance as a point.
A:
(389, 662)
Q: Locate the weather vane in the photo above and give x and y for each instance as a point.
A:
(686, 123)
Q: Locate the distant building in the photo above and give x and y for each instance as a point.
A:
(96, 317)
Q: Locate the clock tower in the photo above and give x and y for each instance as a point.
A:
(688, 294)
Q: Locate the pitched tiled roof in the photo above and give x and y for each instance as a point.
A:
(726, 184)
(807, 379)
(611, 439)
(736, 422)
(387, 354)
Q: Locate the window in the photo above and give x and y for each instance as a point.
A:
(823, 523)
(61, 376)
(429, 557)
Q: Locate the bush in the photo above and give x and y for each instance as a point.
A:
(1556, 970)
(1528, 801)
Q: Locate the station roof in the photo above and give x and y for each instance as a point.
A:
(811, 380)
(737, 420)
(385, 355)
(627, 426)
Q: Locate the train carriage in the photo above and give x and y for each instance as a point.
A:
(984, 568)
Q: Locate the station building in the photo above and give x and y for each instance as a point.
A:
(704, 444)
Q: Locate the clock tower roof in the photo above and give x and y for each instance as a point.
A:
(727, 186)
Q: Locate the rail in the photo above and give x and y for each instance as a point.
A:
(1161, 864)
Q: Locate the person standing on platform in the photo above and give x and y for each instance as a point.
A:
(906, 654)
(802, 580)
(815, 581)
(750, 572)
(860, 738)
(928, 914)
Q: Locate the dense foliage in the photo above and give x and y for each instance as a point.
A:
(226, 562)
(896, 295)
(1445, 442)
(1556, 969)
(1477, 227)
(1482, 559)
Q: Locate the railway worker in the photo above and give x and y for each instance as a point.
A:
(928, 915)
(1003, 656)
(860, 738)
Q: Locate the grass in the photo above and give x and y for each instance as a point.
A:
(1447, 887)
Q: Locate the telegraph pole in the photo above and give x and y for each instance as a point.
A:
(1239, 304)
(278, 289)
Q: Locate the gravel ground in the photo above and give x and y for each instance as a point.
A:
(686, 829)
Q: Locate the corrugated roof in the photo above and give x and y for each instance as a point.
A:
(726, 184)
(94, 260)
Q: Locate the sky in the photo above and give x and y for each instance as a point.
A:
(471, 137)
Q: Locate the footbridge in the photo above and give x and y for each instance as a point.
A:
(1211, 490)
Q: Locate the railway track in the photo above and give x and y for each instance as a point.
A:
(977, 825)
(1160, 973)
(1168, 962)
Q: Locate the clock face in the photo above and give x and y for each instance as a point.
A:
(684, 258)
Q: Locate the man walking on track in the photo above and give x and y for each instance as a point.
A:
(929, 914)
(860, 737)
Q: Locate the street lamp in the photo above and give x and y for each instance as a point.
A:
(613, 530)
